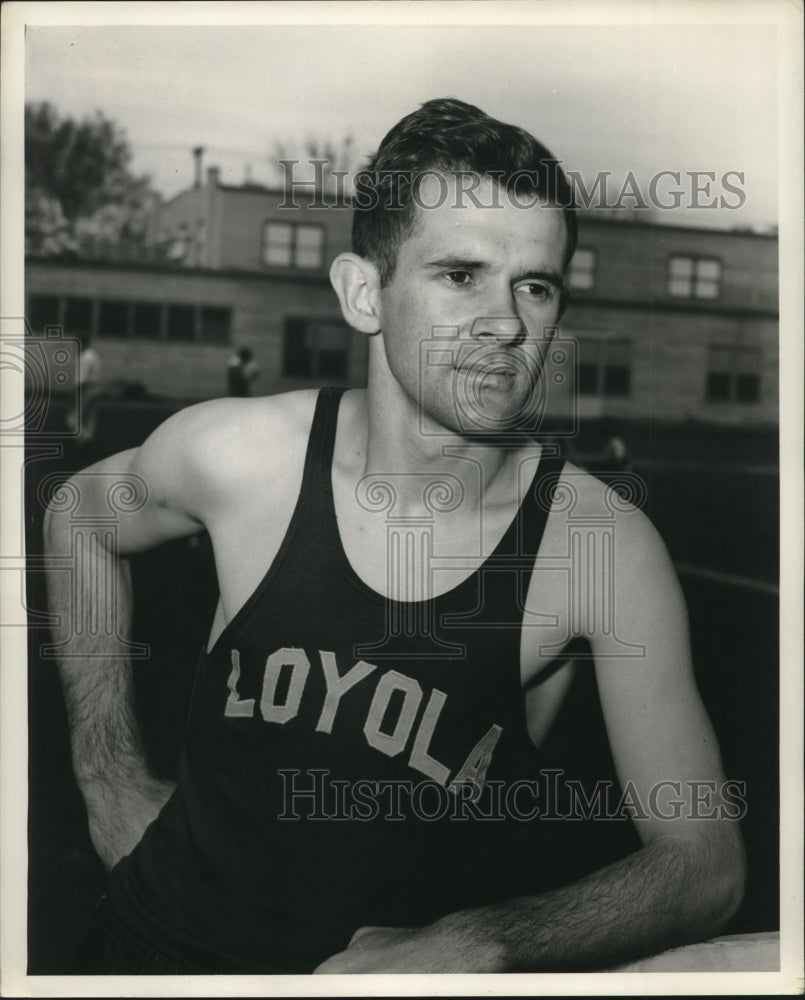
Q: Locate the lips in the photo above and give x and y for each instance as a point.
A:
(490, 369)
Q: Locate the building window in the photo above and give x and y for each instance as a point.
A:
(290, 244)
(113, 318)
(181, 323)
(582, 269)
(694, 277)
(278, 244)
(214, 325)
(78, 315)
(121, 318)
(309, 246)
(43, 311)
(146, 320)
(315, 348)
(733, 374)
(605, 368)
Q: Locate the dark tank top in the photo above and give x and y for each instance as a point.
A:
(350, 760)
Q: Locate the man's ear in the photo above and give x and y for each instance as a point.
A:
(357, 285)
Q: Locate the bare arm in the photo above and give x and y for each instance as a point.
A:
(121, 505)
(685, 882)
(637, 906)
(107, 753)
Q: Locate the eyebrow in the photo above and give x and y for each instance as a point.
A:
(456, 263)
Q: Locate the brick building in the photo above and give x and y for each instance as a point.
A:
(665, 322)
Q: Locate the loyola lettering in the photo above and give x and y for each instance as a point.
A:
(473, 770)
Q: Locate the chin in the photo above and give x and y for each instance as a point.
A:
(492, 422)
(493, 414)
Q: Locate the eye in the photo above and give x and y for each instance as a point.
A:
(537, 291)
(459, 278)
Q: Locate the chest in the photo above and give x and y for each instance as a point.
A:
(409, 553)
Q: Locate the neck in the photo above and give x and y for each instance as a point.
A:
(408, 446)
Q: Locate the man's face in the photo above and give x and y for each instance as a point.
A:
(468, 316)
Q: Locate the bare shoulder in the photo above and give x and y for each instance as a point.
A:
(600, 532)
(240, 424)
(602, 574)
(582, 500)
(210, 449)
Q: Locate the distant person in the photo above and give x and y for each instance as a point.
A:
(241, 371)
(616, 457)
(82, 417)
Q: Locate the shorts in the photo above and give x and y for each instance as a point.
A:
(110, 949)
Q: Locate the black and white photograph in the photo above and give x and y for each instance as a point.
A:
(402, 498)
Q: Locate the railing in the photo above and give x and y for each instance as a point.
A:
(125, 253)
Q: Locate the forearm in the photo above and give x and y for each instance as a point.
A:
(669, 893)
(91, 597)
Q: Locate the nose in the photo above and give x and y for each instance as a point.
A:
(505, 330)
(501, 320)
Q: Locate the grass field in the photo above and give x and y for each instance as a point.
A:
(721, 528)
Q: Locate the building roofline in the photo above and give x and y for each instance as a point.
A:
(594, 217)
(279, 274)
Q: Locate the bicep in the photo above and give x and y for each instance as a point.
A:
(136, 499)
(662, 741)
(169, 495)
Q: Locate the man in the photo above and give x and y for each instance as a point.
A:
(82, 418)
(241, 371)
(386, 654)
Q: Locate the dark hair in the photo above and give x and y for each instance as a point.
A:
(450, 136)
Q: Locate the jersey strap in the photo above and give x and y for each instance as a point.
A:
(316, 479)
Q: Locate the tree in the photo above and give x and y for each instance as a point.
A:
(78, 183)
(47, 232)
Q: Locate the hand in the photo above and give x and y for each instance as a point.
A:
(119, 812)
(436, 948)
